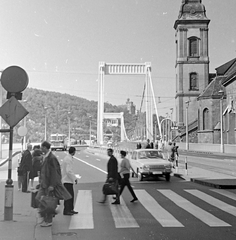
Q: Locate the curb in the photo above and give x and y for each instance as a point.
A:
(223, 184)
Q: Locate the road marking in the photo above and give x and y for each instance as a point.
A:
(90, 165)
(197, 212)
(84, 219)
(213, 201)
(98, 159)
(225, 193)
(158, 212)
(122, 215)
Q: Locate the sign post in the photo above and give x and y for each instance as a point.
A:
(14, 79)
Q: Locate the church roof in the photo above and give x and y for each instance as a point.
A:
(212, 90)
(222, 70)
(230, 73)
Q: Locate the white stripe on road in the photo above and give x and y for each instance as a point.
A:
(122, 216)
(225, 193)
(91, 165)
(197, 212)
(98, 159)
(158, 212)
(213, 201)
(84, 219)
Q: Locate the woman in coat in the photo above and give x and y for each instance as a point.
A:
(37, 163)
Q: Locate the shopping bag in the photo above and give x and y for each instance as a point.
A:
(34, 202)
(109, 188)
(49, 204)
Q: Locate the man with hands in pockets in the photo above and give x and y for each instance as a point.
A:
(68, 179)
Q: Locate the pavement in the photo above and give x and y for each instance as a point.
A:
(25, 220)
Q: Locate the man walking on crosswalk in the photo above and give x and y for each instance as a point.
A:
(112, 173)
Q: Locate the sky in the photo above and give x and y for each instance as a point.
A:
(59, 43)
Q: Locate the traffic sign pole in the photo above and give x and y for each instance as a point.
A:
(8, 207)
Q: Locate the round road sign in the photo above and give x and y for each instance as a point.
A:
(22, 131)
(14, 79)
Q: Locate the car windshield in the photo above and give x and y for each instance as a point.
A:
(149, 154)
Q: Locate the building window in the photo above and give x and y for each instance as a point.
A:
(193, 47)
(206, 119)
(193, 82)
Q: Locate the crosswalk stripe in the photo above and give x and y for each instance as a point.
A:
(122, 215)
(158, 212)
(225, 193)
(213, 201)
(199, 213)
(84, 219)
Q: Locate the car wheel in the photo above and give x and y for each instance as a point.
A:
(167, 176)
(140, 176)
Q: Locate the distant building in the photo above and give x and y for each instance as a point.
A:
(130, 106)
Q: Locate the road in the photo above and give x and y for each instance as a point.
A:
(176, 210)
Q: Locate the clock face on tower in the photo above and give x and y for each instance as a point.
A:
(192, 11)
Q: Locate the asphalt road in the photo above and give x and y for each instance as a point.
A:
(176, 210)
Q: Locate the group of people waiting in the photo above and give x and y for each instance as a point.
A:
(55, 179)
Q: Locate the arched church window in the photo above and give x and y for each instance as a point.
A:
(193, 47)
(193, 82)
(206, 119)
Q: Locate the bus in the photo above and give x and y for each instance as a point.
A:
(57, 141)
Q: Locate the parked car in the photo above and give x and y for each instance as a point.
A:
(150, 162)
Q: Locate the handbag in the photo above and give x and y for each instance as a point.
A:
(109, 188)
(49, 204)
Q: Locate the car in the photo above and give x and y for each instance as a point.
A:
(150, 162)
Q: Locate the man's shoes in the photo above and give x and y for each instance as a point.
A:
(135, 199)
(74, 212)
(116, 202)
(102, 201)
(68, 213)
(46, 224)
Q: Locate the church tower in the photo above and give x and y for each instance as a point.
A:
(192, 60)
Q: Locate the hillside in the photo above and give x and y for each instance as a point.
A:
(58, 108)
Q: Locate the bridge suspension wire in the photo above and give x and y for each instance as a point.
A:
(155, 105)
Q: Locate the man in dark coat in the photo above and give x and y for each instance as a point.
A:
(112, 174)
(26, 167)
(50, 182)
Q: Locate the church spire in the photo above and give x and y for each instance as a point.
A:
(192, 9)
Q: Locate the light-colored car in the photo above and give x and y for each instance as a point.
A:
(150, 162)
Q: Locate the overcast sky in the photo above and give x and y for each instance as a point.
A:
(60, 43)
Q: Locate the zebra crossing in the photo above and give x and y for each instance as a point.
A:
(123, 217)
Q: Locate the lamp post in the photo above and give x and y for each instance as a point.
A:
(69, 112)
(187, 141)
(45, 129)
(90, 120)
(171, 112)
(167, 135)
(221, 122)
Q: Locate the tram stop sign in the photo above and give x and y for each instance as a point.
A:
(14, 79)
(12, 111)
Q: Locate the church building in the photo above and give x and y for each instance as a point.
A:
(199, 94)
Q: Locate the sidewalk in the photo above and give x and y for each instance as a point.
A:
(25, 219)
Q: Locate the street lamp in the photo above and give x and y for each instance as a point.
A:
(221, 92)
(45, 129)
(69, 112)
(90, 120)
(187, 141)
(171, 112)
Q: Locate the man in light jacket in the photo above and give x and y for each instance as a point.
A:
(68, 179)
